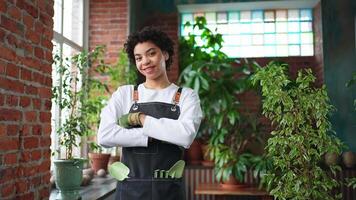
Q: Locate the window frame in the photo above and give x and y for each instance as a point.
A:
(60, 39)
(250, 6)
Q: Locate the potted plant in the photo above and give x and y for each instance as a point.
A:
(301, 136)
(218, 81)
(69, 93)
(98, 93)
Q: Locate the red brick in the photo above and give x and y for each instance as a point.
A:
(7, 174)
(14, 12)
(37, 77)
(7, 53)
(2, 99)
(46, 19)
(36, 180)
(12, 25)
(45, 116)
(12, 40)
(36, 103)
(25, 157)
(12, 100)
(9, 115)
(36, 130)
(31, 142)
(3, 7)
(12, 130)
(45, 141)
(9, 144)
(33, 36)
(28, 21)
(12, 70)
(11, 85)
(44, 192)
(45, 93)
(7, 190)
(36, 155)
(47, 105)
(26, 130)
(45, 165)
(2, 67)
(31, 90)
(2, 132)
(47, 43)
(28, 7)
(21, 186)
(10, 158)
(31, 116)
(27, 196)
(25, 102)
(39, 53)
(46, 153)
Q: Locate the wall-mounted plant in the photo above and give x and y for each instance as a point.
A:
(301, 137)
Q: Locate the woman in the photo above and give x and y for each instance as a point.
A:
(153, 121)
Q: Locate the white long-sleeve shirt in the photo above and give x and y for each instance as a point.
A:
(180, 132)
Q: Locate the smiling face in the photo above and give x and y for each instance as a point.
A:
(150, 60)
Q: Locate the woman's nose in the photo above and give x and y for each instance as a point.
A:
(145, 60)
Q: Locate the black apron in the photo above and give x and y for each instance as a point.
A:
(143, 161)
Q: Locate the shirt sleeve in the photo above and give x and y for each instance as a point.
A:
(110, 134)
(180, 132)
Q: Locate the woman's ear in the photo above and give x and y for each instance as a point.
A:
(166, 55)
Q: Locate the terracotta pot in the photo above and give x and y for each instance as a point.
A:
(232, 183)
(113, 159)
(207, 161)
(331, 158)
(99, 161)
(194, 154)
(349, 159)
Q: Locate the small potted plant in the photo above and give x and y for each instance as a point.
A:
(68, 93)
(302, 134)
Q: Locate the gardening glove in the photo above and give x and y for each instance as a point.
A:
(130, 120)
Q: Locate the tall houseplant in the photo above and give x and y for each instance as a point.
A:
(69, 93)
(301, 136)
(98, 93)
(210, 72)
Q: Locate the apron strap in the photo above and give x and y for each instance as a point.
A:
(135, 97)
(176, 99)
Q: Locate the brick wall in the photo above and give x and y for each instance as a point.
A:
(108, 25)
(25, 94)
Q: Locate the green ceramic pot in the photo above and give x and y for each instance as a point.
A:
(69, 176)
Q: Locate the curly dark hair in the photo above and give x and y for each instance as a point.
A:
(154, 35)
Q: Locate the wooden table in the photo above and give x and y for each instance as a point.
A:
(222, 193)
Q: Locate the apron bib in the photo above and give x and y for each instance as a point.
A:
(143, 161)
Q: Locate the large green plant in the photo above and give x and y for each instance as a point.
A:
(302, 134)
(71, 94)
(210, 72)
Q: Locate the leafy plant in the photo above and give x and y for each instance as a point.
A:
(99, 90)
(302, 134)
(71, 95)
(211, 73)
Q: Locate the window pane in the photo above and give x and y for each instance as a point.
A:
(306, 15)
(233, 17)
(210, 18)
(187, 17)
(57, 16)
(245, 16)
(73, 19)
(263, 33)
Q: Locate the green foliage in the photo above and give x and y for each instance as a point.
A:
(302, 134)
(70, 93)
(99, 91)
(211, 73)
(352, 82)
(351, 182)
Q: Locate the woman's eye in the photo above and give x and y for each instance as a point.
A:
(138, 59)
(152, 53)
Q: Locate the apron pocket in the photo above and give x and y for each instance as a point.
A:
(168, 189)
(134, 189)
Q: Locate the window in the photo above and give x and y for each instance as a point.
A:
(265, 32)
(69, 29)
